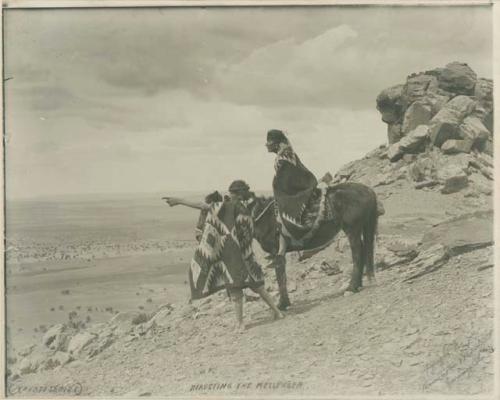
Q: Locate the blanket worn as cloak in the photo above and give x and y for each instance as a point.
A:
(300, 204)
(224, 257)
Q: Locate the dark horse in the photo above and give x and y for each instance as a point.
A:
(355, 212)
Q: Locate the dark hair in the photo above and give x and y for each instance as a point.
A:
(213, 197)
(238, 186)
(276, 136)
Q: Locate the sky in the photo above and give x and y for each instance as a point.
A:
(171, 99)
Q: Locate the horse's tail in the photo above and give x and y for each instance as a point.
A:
(370, 233)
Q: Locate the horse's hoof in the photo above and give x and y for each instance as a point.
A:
(348, 293)
(283, 305)
(277, 316)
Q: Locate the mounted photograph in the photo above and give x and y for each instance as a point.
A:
(249, 201)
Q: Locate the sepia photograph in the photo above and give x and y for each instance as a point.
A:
(249, 201)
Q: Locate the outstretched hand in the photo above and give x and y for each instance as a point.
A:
(171, 201)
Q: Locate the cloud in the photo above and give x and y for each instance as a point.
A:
(180, 98)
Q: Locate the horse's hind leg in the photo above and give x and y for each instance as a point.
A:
(369, 232)
(280, 269)
(356, 244)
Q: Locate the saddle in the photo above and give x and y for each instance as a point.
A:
(316, 212)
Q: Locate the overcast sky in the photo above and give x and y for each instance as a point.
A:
(151, 100)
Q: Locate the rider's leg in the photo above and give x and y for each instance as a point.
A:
(282, 245)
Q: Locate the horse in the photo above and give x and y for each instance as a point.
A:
(355, 211)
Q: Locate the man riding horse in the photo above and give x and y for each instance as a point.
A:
(298, 201)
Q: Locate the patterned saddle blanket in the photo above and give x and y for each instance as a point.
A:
(315, 211)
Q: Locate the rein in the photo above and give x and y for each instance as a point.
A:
(262, 212)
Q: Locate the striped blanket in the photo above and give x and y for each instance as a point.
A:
(224, 257)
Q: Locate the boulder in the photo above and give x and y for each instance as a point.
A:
(414, 140)
(487, 147)
(461, 161)
(453, 146)
(455, 184)
(417, 114)
(458, 78)
(79, 341)
(389, 104)
(453, 179)
(416, 87)
(444, 125)
(473, 129)
(394, 152)
(393, 133)
(483, 92)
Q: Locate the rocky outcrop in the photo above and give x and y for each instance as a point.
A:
(451, 102)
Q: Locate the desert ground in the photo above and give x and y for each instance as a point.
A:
(425, 328)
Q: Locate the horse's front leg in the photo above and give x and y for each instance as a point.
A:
(280, 268)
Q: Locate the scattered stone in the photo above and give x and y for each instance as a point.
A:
(330, 268)
(453, 178)
(124, 321)
(414, 140)
(31, 363)
(57, 337)
(481, 184)
(394, 153)
(137, 393)
(58, 359)
(427, 261)
(424, 169)
(79, 341)
(455, 184)
(161, 318)
(26, 351)
(426, 184)
(486, 266)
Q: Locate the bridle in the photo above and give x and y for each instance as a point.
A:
(259, 216)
